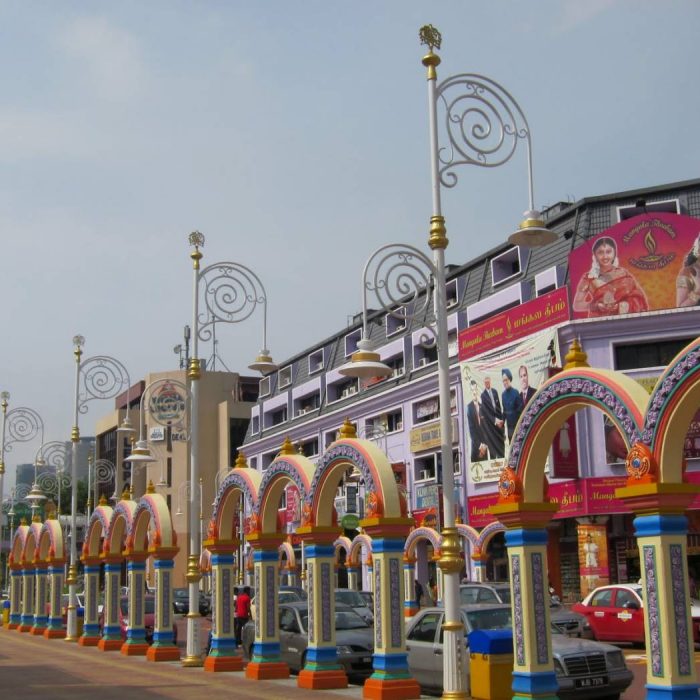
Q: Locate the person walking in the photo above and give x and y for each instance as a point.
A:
(242, 613)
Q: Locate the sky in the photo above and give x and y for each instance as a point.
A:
(294, 135)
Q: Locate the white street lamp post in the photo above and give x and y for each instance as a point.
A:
(99, 377)
(230, 292)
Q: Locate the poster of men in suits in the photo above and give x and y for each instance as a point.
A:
(497, 387)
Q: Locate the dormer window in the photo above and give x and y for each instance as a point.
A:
(452, 296)
(351, 340)
(265, 386)
(508, 265)
(395, 322)
(316, 361)
(284, 377)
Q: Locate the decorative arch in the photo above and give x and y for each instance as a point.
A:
(52, 546)
(344, 544)
(286, 551)
(97, 530)
(30, 552)
(485, 536)
(383, 498)
(420, 534)
(619, 397)
(151, 508)
(285, 468)
(119, 527)
(358, 543)
(19, 540)
(672, 406)
(241, 481)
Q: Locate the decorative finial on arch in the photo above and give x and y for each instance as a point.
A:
(347, 429)
(150, 488)
(287, 447)
(36, 518)
(103, 501)
(240, 462)
(640, 465)
(23, 521)
(131, 492)
(510, 488)
(125, 494)
(576, 357)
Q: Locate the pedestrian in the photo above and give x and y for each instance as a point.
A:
(242, 613)
(418, 592)
(432, 587)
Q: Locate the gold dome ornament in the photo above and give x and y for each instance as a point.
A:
(576, 357)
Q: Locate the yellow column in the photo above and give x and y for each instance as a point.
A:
(27, 618)
(111, 639)
(163, 647)
(91, 628)
(54, 628)
(40, 594)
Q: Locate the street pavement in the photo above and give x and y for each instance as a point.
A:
(33, 667)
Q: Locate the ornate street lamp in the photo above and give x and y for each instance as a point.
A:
(99, 377)
(230, 293)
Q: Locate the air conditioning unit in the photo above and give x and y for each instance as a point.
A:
(423, 362)
(399, 425)
(425, 475)
(302, 411)
(451, 303)
(346, 393)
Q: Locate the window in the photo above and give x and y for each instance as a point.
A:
(309, 403)
(255, 425)
(426, 629)
(395, 321)
(397, 366)
(426, 410)
(671, 206)
(549, 280)
(451, 290)
(342, 390)
(651, 354)
(310, 448)
(316, 361)
(265, 386)
(452, 344)
(506, 266)
(424, 356)
(284, 377)
(430, 466)
(351, 342)
(390, 422)
(278, 416)
(329, 438)
(602, 599)
(499, 301)
(267, 459)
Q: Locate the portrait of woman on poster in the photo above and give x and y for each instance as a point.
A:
(688, 280)
(608, 289)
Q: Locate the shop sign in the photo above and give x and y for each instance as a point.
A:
(156, 434)
(350, 521)
(426, 517)
(479, 514)
(427, 436)
(600, 495)
(427, 497)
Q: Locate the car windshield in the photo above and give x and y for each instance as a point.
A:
(504, 593)
(489, 619)
(351, 598)
(349, 620)
(180, 593)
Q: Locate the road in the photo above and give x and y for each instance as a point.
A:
(37, 668)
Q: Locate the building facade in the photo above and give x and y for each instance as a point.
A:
(618, 278)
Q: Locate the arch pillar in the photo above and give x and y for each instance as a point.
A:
(163, 647)
(661, 529)
(223, 654)
(410, 605)
(353, 576)
(479, 560)
(266, 663)
(111, 629)
(390, 679)
(322, 670)
(54, 627)
(526, 541)
(40, 592)
(16, 580)
(370, 573)
(135, 644)
(91, 627)
(27, 616)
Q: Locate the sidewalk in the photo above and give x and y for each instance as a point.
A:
(37, 668)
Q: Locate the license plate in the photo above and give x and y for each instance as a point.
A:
(366, 659)
(592, 682)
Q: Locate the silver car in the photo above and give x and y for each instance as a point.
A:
(353, 636)
(566, 621)
(585, 669)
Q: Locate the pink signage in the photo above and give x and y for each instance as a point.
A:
(647, 262)
(523, 320)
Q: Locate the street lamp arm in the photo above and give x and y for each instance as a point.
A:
(22, 425)
(483, 125)
(100, 377)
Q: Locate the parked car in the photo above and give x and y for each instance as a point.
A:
(585, 669)
(570, 623)
(616, 613)
(353, 636)
(353, 599)
(149, 617)
(298, 590)
(369, 598)
(181, 602)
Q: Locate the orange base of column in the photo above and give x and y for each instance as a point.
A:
(88, 641)
(217, 664)
(395, 689)
(37, 631)
(54, 634)
(12, 626)
(266, 671)
(109, 645)
(322, 680)
(24, 628)
(163, 654)
(134, 649)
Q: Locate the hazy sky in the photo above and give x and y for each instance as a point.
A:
(294, 135)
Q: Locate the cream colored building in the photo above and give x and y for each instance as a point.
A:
(225, 400)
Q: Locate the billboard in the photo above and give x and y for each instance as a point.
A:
(496, 388)
(645, 263)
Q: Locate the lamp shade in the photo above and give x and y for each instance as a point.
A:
(141, 454)
(532, 233)
(263, 363)
(364, 364)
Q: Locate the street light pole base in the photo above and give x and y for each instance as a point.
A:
(192, 661)
(391, 689)
(70, 639)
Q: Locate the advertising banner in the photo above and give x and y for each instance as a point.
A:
(496, 388)
(645, 263)
(593, 557)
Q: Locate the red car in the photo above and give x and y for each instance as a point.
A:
(616, 613)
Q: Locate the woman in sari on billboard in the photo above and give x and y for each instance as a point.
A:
(608, 289)
(688, 280)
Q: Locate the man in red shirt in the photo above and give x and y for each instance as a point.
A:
(242, 612)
